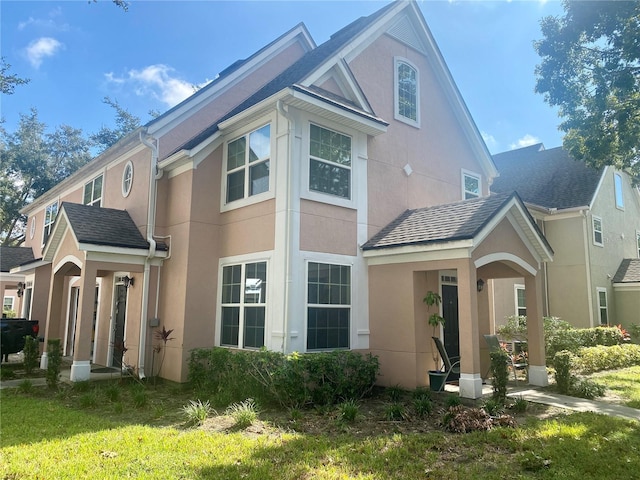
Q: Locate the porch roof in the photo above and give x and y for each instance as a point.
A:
(14, 256)
(628, 271)
(444, 223)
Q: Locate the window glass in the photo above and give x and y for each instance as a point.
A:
(407, 94)
(244, 297)
(329, 306)
(7, 304)
(471, 186)
(521, 302)
(638, 242)
(617, 180)
(248, 169)
(127, 179)
(93, 192)
(51, 212)
(597, 231)
(330, 163)
(602, 305)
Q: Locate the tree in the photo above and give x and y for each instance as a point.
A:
(8, 82)
(126, 122)
(32, 162)
(590, 69)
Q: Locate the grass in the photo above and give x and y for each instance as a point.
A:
(624, 383)
(153, 441)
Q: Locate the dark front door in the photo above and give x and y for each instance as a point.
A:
(450, 314)
(118, 325)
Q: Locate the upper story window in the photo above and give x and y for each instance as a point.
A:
(330, 162)
(328, 306)
(248, 164)
(617, 184)
(244, 300)
(127, 179)
(32, 229)
(49, 218)
(471, 185)
(638, 241)
(598, 239)
(93, 192)
(407, 98)
(521, 301)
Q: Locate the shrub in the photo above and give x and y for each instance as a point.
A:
(395, 393)
(348, 411)
(54, 362)
(196, 412)
(562, 364)
(25, 386)
(452, 401)
(585, 388)
(500, 374)
(293, 380)
(139, 396)
(244, 413)
(395, 412)
(88, 399)
(420, 393)
(422, 406)
(30, 352)
(493, 406)
(595, 359)
(112, 392)
(520, 405)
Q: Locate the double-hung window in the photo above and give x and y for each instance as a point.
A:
(49, 218)
(603, 306)
(597, 231)
(471, 187)
(7, 304)
(330, 162)
(248, 164)
(328, 306)
(93, 192)
(406, 93)
(521, 302)
(244, 300)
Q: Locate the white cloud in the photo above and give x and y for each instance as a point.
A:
(157, 81)
(525, 141)
(490, 140)
(50, 23)
(41, 48)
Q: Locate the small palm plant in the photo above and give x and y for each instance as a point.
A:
(164, 336)
(433, 299)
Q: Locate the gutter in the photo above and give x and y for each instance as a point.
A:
(154, 175)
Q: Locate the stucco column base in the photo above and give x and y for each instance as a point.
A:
(538, 375)
(80, 370)
(470, 385)
(44, 361)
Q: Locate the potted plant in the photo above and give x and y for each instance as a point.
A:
(432, 299)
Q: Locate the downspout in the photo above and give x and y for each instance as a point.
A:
(154, 175)
(287, 231)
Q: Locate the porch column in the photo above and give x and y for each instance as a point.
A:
(535, 330)
(81, 366)
(54, 314)
(470, 371)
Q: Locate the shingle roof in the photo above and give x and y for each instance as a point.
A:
(103, 226)
(440, 223)
(295, 73)
(628, 271)
(547, 178)
(14, 256)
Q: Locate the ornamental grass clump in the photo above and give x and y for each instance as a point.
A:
(244, 413)
(197, 411)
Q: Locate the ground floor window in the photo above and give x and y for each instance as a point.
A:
(521, 301)
(603, 306)
(244, 299)
(328, 306)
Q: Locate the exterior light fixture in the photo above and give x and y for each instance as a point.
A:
(480, 284)
(128, 281)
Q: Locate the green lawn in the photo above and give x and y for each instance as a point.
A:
(624, 382)
(98, 434)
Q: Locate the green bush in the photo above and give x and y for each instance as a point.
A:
(54, 362)
(30, 352)
(595, 359)
(500, 374)
(293, 380)
(562, 362)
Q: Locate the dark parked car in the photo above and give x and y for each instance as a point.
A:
(12, 333)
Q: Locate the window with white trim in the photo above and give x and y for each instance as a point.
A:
(520, 300)
(328, 306)
(244, 301)
(329, 162)
(93, 192)
(127, 179)
(7, 304)
(50, 214)
(603, 306)
(471, 185)
(247, 164)
(617, 185)
(598, 238)
(407, 94)
(638, 241)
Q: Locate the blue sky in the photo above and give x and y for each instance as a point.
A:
(150, 57)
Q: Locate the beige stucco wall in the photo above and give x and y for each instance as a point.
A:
(627, 303)
(328, 228)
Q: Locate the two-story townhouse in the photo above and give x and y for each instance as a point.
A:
(591, 218)
(307, 212)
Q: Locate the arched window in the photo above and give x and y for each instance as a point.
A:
(407, 95)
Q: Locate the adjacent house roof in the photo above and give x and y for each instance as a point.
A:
(546, 178)
(443, 223)
(103, 226)
(628, 271)
(14, 256)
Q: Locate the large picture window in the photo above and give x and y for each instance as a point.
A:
(328, 306)
(406, 93)
(244, 300)
(49, 219)
(93, 192)
(330, 162)
(248, 164)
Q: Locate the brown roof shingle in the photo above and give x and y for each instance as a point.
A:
(628, 271)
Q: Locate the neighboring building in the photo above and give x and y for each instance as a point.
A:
(14, 286)
(591, 218)
(305, 200)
